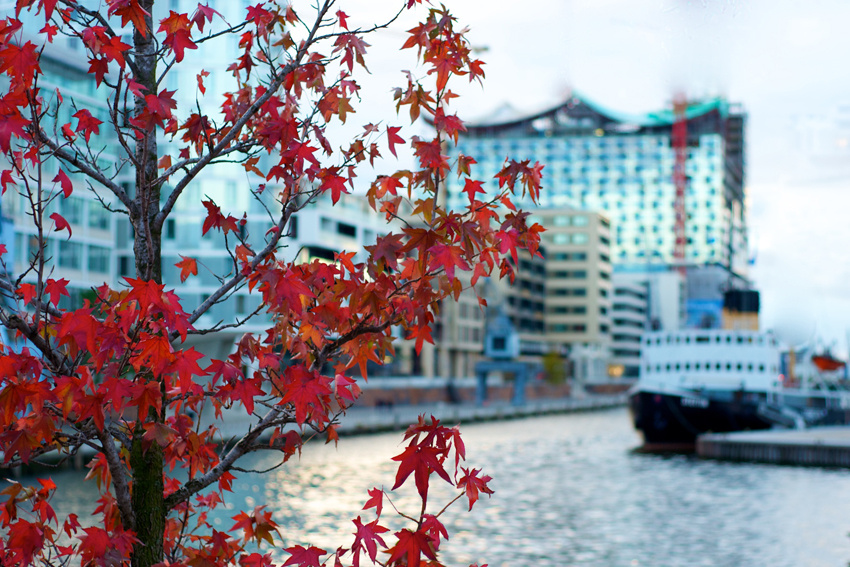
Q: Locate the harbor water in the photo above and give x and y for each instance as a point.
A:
(570, 490)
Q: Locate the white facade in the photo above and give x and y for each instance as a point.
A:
(629, 321)
(710, 360)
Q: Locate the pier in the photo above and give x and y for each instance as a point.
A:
(374, 419)
(819, 446)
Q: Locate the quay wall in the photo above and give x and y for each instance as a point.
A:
(819, 446)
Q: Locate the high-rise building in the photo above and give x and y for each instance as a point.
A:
(623, 167)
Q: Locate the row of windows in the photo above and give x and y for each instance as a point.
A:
(569, 292)
(629, 308)
(655, 229)
(565, 238)
(568, 310)
(567, 256)
(70, 255)
(638, 241)
(709, 366)
(567, 220)
(574, 274)
(567, 328)
(705, 339)
(655, 144)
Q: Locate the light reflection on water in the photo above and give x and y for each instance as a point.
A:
(569, 491)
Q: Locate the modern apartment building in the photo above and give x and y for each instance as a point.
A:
(88, 260)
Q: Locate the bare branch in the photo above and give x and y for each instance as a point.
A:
(88, 169)
(119, 480)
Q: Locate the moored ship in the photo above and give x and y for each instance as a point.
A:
(699, 381)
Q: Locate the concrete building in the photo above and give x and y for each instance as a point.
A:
(667, 295)
(629, 320)
(578, 276)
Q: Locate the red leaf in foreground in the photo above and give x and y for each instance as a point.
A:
(56, 289)
(64, 182)
(367, 537)
(188, 266)
(305, 557)
(413, 545)
(393, 138)
(421, 461)
(61, 223)
(474, 484)
(376, 500)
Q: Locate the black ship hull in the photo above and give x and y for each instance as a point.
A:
(675, 420)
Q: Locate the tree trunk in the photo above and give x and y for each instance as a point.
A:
(146, 463)
(148, 502)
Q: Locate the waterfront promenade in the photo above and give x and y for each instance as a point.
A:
(373, 419)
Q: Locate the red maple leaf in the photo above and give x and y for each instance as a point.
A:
(11, 124)
(386, 248)
(65, 183)
(130, 11)
(421, 461)
(474, 484)
(447, 257)
(471, 187)
(61, 223)
(6, 179)
(376, 500)
(56, 289)
(305, 556)
(87, 123)
(178, 34)
(367, 537)
(334, 182)
(203, 14)
(393, 138)
(413, 545)
(146, 396)
(343, 23)
(307, 391)
(188, 266)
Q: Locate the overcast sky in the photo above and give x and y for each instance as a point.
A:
(786, 62)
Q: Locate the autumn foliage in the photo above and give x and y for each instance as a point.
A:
(114, 375)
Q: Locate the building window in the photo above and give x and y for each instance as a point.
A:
(125, 266)
(170, 229)
(346, 229)
(72, 210)
(98, 259)
(98, 217)
(70, 255)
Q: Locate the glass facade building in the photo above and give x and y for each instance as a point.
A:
(623, 167)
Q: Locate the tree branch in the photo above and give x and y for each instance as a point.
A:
(88, 169)
(246, 116)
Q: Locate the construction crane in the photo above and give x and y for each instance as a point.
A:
(679, 142)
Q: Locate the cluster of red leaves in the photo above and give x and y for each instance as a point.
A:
(113, 374)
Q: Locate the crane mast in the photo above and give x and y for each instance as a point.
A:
(679, 143)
